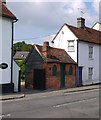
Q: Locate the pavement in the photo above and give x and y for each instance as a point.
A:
(24, 92)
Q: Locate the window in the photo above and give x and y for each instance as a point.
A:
(70, 70)
(54, 70)
(90, 73)
(71, 45)
(90, 52)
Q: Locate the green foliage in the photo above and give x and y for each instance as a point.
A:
(21, 46)
(22, 67)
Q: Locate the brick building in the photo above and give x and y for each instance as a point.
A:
(49, 68)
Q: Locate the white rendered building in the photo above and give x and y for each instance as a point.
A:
(83, 44)
(8, 80)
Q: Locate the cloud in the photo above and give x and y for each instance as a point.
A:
(48, 17)
(46, 14)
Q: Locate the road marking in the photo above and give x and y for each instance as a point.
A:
(65, 104)
(65, 93)
(6, 115)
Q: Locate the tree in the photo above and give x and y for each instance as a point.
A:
(22, 67)
(21, 46)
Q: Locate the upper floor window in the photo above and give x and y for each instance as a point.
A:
(71, 45)
(90, 52)
(90, 73)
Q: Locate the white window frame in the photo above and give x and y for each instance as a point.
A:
(71, 47)
(91, 52)
(90, 73)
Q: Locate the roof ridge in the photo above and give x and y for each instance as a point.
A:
(50, 47)
(81, 28)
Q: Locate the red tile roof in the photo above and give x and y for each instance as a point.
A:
(87, 34)
(5, 12)
(56, 55)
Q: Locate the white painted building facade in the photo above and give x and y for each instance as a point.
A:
(16, 77)
(7, 81)
(84, 51)
(97, 26)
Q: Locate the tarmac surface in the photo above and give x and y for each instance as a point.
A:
(24, 92)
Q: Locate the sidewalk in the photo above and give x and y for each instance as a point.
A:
(38, 93)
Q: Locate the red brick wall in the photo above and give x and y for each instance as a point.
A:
(53, 82)
(70, 79)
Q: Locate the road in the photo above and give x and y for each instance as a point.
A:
(84, 104)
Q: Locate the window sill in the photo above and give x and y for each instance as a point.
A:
(91, 59)
(71, 51)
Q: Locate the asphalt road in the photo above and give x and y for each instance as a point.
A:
(84, 104)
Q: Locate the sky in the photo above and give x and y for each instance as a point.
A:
(40, 18)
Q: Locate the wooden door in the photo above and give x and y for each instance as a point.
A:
(39, 79)
(62, 75)
(80, 76)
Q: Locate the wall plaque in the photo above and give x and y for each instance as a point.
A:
(3, 65)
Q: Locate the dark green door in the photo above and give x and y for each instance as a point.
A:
(62, 68)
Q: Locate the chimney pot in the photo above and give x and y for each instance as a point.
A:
(81, 22)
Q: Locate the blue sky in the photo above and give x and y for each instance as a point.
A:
(38, 18)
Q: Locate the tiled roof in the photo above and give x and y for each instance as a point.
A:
(20, 55)
(86, 34)
(5, 12)
(56, 55)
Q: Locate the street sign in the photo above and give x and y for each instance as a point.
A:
(3, 65)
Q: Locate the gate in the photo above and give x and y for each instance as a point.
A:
(39, 79)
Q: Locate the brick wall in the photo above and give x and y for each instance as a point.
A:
(52, 82)
(70, 79)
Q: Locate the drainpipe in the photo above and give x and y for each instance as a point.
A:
(12, 49)
(77, 78)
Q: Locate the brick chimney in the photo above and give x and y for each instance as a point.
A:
(81, 23)
(45, 48)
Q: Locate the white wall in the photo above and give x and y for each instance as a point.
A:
(5, 53)
(16, 69)
(86, 62)
(97, 26)
(61, 41)
(0, 48)
(100, 63)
